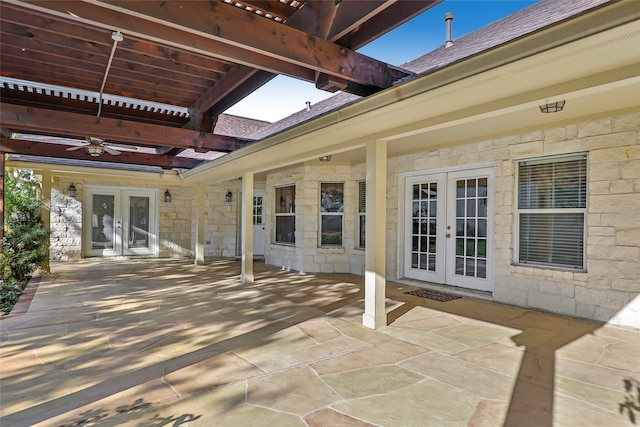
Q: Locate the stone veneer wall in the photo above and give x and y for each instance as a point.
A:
(284, 256)
(66, 221)
(221, 220)
(609, 289)
(175, 219)
(307, 255)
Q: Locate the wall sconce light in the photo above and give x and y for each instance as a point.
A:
(553, 107)
(228, 197)
(325, 158)
(71, 191)
(167, 196)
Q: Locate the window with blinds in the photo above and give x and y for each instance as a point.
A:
(551, 211)
(362, 201)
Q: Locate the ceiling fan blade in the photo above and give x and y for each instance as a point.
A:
(77, 147)
(111, 150)
(121, 146)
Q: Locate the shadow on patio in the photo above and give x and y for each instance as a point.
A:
(164, 342)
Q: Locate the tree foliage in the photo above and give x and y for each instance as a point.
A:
(25, 243)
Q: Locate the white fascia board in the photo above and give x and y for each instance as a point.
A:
(171, 177)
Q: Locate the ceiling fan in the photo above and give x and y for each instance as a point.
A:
(96, 146)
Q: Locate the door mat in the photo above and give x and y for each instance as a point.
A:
(434, 295)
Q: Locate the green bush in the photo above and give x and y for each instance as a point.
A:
(9, 294)
(25, 243)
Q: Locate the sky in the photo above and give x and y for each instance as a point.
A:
(284, 96)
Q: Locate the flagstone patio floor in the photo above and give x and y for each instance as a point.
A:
(167, 343)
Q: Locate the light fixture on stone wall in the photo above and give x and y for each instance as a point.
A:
(326, 158)
(228, 197)
(552, 107)
(71, 191)
(167, 196)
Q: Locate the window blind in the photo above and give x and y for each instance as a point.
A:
(553, 185)
(362, 196)
(552, 200)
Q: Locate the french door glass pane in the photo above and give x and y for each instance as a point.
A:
(257, 210)
(102, 231)
(471, 227)
(138, 222)
(423, 236)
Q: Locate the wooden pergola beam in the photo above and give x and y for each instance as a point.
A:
(51, 122)
(17, 146)
(90, 107)
(332, 21)
(228, 33)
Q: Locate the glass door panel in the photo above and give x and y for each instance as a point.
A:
(259, 234)
(471, 220)
(424, 246)
(138, 226)
(469, 250)
(425, 222)
(448, 228)
(104, 222)
(120, 222)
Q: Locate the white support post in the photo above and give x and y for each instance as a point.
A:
(200, 214)
(375, 315)
(45, 208)
(247, 228)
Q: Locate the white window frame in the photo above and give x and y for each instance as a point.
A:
(291, 213)
(519, 211)
(323, 214)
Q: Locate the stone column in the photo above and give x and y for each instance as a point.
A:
(375, 314)
(247, 228)
(200, 215)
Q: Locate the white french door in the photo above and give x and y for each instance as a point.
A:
(448, 228)
(120, 222)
